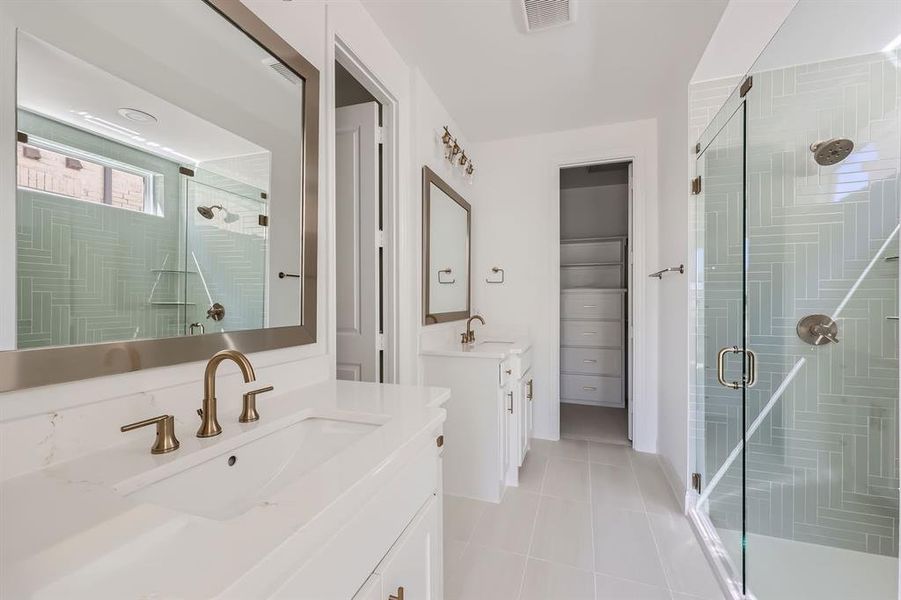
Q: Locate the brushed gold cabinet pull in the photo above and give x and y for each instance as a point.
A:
(531, 391)
(398, 596)
(511, 403)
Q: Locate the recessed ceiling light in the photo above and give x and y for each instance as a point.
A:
(138, 116)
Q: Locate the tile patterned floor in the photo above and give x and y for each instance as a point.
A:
(589, 521)
(594, 423)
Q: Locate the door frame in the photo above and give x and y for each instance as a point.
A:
(390, 214)
(641, 364)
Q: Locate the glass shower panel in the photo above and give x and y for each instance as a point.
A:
(822, 288)
(226, 258)
(719, 296)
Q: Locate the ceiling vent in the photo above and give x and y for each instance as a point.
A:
(282, 69)
(544, 14)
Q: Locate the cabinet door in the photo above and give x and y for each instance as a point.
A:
(412, 569)
(525, 415)
(371, 590)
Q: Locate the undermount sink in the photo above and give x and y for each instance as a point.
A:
(231, 483)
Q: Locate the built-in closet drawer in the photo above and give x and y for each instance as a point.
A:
(592, 388)
(600, 276)
(591, 305)
(608, 251)
(606, 334)
(594, 361)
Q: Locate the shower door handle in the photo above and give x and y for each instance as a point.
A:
(721, 367)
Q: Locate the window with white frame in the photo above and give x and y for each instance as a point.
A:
(53, 168)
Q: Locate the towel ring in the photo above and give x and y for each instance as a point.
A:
(496, 270)
(448, 271)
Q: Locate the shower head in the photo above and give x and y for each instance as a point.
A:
(207, 211)
(831, 151)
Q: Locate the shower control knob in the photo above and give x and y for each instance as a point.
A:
(818, 330)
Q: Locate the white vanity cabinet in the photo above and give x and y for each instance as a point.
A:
(488, 424)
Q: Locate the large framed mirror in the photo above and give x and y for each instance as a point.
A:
(446, 222)
(158, 187)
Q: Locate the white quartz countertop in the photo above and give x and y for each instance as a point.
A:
(71, 530)
(492, 346)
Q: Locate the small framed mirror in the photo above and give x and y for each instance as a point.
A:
(446, 222)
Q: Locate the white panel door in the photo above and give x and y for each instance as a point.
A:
(357, 224)
(630, 364)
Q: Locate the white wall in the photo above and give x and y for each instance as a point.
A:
(516, 227)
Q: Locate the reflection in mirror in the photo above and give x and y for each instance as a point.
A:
(158, 184)
(446, 230)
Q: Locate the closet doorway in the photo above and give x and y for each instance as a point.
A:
(595, 273)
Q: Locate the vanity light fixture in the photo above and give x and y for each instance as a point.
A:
(455, 154)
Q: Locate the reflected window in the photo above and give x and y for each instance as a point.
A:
(49, 167)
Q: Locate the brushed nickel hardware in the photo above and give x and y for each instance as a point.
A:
(186, 171)
(439, 441)
(496, 270)
(818, 330)
(589, 388)
(215, 312)
(249, 411)
(890, 258)
(751, 380)
(398, 596)
(194, 326)
(531, 392)
(509, 371)
(263, 195)
(470, 334)
(21, 137)
(721, 367)
(589, 306)
(263, 220)
(892, 318)
(696, 186)
(698, 148)
(209, 425)
(510, 395)
(696, 482)
(165, 440)
(447, 271)
(830, 152)
(746, 86)
(282, 275)
(659, 274)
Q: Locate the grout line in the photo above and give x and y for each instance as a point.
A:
(594, 552)
(522, 582)
(647, 519)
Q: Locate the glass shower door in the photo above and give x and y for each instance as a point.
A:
(718, 288)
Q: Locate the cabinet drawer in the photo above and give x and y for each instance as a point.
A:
(592, 388)
(591, 305)
(608, 334)
(594, 361)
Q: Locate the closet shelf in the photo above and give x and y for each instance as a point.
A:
(592, 289)
(615, 238)
(592, 264)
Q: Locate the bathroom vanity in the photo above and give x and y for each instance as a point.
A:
(335, 493)
(489, 421)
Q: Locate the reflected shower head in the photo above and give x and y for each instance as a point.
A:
(831, 151)
(207, 211)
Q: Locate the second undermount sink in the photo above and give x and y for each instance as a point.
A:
(229, 484)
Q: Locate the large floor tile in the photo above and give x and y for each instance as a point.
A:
(508, 525)
(461, 516)
(575, 449)
(615, 487)
(615, 455)
(563, 533)
(683, 560)
(655, 489)
(624, 546)
(566, 478)
(614, 588)
(531, 473)
(486, 574)
(453, 554)
(548, 581)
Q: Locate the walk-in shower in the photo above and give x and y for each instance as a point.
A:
(795, 389)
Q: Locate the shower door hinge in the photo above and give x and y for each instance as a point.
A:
(263, 220)
(21, 137)
(696, 482)
(698, 148)
(696, 185)
(186, 171)
(746, 86)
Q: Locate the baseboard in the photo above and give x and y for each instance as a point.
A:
(679, 487)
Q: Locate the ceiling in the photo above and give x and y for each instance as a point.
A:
(615, 63)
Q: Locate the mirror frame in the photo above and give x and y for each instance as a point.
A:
(20, 369)
(429, 177)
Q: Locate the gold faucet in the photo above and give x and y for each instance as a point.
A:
(470, 334)
(209, 425)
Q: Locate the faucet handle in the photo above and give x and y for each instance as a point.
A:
(165, 433)
(249, 413)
